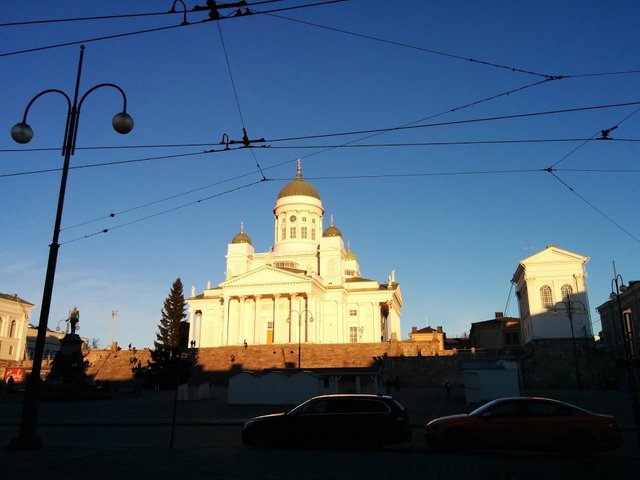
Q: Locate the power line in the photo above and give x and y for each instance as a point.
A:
(173, 11)
(156, 202)
(245, 138)
(457, 122)
(342, 145)
(604, 136)
(358, 132)
(595, 208)
(151, 30)
(164, 212)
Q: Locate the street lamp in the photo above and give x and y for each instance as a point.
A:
(307, 319)
(618, 283)
(569, 308)
(22, 133)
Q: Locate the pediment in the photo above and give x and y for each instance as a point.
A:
(265, 275)
(553, 254)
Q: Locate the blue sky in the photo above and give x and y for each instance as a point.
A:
(453, 220)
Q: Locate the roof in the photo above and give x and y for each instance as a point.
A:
(14, 297)
(299, 187)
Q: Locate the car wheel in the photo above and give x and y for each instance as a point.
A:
(578, 443)
(368, 443)
(263, 441)
(457, 440)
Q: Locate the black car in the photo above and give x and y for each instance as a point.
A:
(339, 420)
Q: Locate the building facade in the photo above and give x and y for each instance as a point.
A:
(14, 320)
(552, 295)
(306, 289)
(498, 335)
(620, 319)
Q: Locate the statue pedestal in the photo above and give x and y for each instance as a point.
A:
(68, 364)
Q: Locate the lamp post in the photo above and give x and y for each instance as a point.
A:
(618, 283)
(307, 319)
(22, 133)
(568, 306)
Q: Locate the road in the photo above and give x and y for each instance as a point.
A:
(128, 437)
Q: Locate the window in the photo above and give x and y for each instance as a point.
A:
(304, 219)
(353, 334)
(350, 273)
(12, 328)
(285, 264)
(313, 220)
(566, 291)
(353, 313)
(303, 232)
(546, 297)
(313, 234)
(542, 409)
(284, 233)
(10, 349)
(292, 232)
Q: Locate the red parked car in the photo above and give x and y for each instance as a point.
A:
(527, 423)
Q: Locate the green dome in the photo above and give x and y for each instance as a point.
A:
(299, 187)
(349, 255)
(332, 231)
(241, 237)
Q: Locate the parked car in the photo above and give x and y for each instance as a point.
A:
(529, 423)
(339, 420)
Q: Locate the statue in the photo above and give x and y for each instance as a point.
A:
(74, 318)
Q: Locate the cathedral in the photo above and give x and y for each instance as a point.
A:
(306, 289)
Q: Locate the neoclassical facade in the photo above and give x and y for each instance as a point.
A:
(306, 289)
(14, 321)
(551, 287)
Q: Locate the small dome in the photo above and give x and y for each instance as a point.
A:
(332, 230)
(299, 187)
(241, 237)
(349, 255)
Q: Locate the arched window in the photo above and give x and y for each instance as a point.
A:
(566, 291)
(12, 328)
(546, 297)
(1, 322)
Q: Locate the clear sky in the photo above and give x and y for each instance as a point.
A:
(452, 208)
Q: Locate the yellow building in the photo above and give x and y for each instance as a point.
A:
(14, 320)
(307, 288)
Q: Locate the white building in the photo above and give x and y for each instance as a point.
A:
(308, 288)
(552, 295)
(14, 320)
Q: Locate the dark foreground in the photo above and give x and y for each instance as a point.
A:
(130, 435)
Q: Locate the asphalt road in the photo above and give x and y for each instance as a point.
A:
(130, 436)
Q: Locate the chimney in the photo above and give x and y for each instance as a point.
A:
(499, 315)
(439, 329)
(414, 329)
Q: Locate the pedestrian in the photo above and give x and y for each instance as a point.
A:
(10, 384)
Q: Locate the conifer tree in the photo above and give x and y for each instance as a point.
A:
(167, 355)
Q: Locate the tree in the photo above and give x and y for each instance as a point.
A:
(168, 365)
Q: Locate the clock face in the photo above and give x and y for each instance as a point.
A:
(292, 218)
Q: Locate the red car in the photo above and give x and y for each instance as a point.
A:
(527, 423)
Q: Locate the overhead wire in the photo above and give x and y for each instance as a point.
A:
(122, 15)
(173, 209)
(235, 94)
(149, 30)
(605, 136)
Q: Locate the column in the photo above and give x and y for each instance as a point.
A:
(276, 314)
(257, 321)
(241, 321)
(224, 337)
(293, 337)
